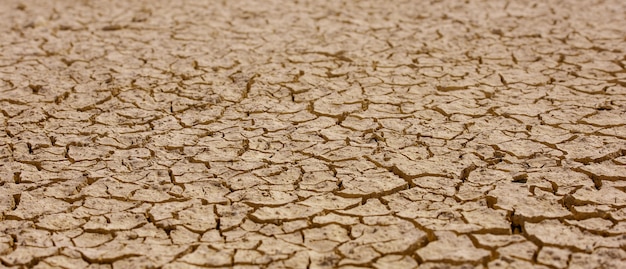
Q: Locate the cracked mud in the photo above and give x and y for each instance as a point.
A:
(448, 134)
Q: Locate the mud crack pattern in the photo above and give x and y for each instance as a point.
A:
(313, 134)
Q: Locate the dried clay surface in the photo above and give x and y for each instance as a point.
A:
(313, 134)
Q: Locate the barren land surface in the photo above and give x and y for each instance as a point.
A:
(312, 134)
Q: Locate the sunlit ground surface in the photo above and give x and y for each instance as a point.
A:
(278, 134)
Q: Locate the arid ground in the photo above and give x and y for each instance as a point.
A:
(312, 134)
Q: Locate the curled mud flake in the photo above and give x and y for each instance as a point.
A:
(526, 149)
(62, 260)
(279, 247)
(26, 255)
(373, 185)
(395, 261)
(58, 222)
(507, 262)
(598, 225)
(183, 236)
(604, 196)
(286, 212)
(587, 149)
(605, 171)
(553, 256)
(231, 216)
(610, 257)
(256, 197)
(525, 251)
(150, 195)
(325, 238)
(491, 220)
(396, 236)
(331, 202)
(103, 205)
(554, 233)
(92, 239)
(497, 240)
(371, 207)
(112, 27)
(198, 218)
(337, 219)
(251, 257)
(30, 206)
(115, 222)
(462, 247)
(520, 178)
(606, 117)
(356, 254)
(516, 198)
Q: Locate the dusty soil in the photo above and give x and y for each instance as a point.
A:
(443, 134)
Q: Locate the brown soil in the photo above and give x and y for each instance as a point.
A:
(319, 134)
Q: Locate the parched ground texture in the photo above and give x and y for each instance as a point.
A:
(280, 134)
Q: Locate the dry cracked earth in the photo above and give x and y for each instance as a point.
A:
(313, 134)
